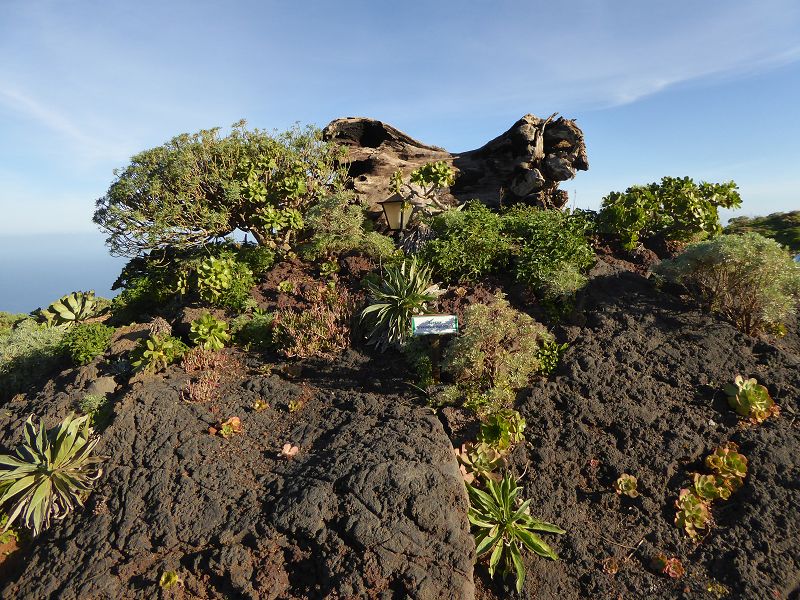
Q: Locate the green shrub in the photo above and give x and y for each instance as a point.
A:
(550, 354)
(676, 209)
(157, 352)
(9, 320)
(784, 228)
(469, 243)
(417, 354)
(97, 407)
(50, 473)
(502, 429)
(405, 290)
(254, 332)
(27, 354)
(551, 249)
(748, 279)
(205, 185)
(86, 341)
(339, 226)
(258, 258)
(502, 528)
(497, 351)
(320, 331)
(209, 332)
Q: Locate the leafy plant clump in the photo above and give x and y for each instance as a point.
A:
(320, 331)
(748, 279)
(157, 352)
(551, 249)
(203, 186)
(550, 354)
(496, 353)
(72, 308)
(502, 528)
(479, 461)
(28, 353)
(625, 485)
(9, 320)
(676, 209)
(97, 407)
(784, 228)
(209, 332)
(469, 243)
(405, 290)
(729, 468)
(502, 429)
(750, 399)
(86, 341)
(254, 331)
(50, 473)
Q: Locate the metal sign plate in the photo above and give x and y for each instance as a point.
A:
(434, 324)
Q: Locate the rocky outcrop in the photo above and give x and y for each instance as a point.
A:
(524, 164)
(371, 506)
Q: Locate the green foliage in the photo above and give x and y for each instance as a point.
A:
(202, 186)
(214, 276)
(209, 332)
(625, 485)
(502, 528)
(97, 407)
(405, 290)
(84, 342)
(157, 352)
(9, 320)
(72, 308)
(497, 350)
(254, 331)
(502, 429)
(469, 243)
(169, 579)
(49, 473)
(676, 209)
(693, 513)
(320, 331)
(27, 354)
(748, 279)
(728, 463)
(551, 249)
(424, 186)
(749, 399)
(7, 533)
(258, 258)
(417, 354)
(711, 487)
(479, 461)
(339, 226)
(550, 354)
(784, 228)
(434, 175)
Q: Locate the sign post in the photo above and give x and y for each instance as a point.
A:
(434, 326)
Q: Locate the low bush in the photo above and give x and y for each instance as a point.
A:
(497, 351)
(86, 341)
(551, 249)
(676, 209)
(27, 353)
(781, 227)
(749, 279)
(469, 243)
(320, 331)
(157, 352)
(209, 332)
(9, 320)
(72, 308)
(97, 407)
(340, 226)
(254, 331)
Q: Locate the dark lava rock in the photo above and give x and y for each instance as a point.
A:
(372, 505)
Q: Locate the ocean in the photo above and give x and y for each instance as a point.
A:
(36, 269)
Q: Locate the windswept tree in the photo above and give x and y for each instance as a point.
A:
(202, 186)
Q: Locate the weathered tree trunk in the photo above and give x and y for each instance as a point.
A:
(524, 164)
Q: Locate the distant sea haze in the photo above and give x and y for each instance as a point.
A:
(37, 269)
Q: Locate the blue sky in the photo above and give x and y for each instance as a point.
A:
(706, 89)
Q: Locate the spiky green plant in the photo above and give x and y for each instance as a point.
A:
(50, 472)
(502, 527)
(209, 332)
(749, 399)
(157, 352)
(72, 308)
(405, 290)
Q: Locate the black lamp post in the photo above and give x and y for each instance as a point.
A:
(397, 212)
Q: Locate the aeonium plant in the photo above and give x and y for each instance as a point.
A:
(750, 399)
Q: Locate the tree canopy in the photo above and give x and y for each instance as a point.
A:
(202, 186)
